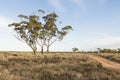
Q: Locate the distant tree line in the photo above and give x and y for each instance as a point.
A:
(99, 50)
(105, 50)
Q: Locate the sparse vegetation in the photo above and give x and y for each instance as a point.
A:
(41, 29)
(107, 50)
(111, 56)
(57, 66)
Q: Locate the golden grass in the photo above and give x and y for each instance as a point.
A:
(52, 66)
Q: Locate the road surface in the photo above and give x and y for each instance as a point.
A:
(108, 64)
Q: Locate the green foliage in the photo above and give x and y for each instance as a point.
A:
(27, 30)
(75, 49)
(105, 50)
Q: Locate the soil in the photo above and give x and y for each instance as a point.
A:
(108, 64)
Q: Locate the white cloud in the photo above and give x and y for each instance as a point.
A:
(4, 21)
(57, 4)
(110, 42)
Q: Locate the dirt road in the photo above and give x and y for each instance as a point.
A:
(105, 62)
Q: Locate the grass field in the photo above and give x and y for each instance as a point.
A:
(52, 66)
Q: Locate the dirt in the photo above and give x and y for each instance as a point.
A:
(108, 64)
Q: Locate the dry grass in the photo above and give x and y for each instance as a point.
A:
(25, 66)
(111, 56)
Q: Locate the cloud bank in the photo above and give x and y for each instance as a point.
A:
(110, 42)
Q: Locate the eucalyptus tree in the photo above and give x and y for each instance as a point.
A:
(41, 30)
(50, 29)
(53, 33)
(42, 39)
(27, 30)
(75, 49)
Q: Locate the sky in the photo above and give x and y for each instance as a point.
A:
(96, 23)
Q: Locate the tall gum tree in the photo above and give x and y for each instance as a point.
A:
(53, 33)
(27, 30)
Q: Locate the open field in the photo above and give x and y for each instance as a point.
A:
(53, 66)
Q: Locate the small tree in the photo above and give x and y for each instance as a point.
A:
(75, 49)
(27, 30)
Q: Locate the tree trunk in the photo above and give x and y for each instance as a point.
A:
(34, 51)
(47, 49)
(42, 50)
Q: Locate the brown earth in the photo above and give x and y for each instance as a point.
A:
(108, 64)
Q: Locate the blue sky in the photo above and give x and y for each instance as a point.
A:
(96, 23)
